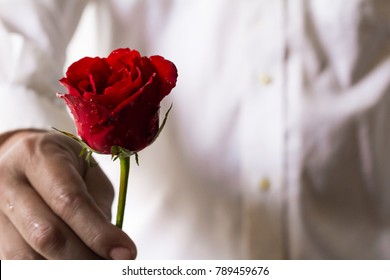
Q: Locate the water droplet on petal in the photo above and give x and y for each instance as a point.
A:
(93, 128)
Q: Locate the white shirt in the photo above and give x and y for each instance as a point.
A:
(278, 143)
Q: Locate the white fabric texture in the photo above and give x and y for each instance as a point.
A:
(278, 143)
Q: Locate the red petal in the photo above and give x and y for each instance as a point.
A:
(120, 91)
(124, 58)
(80, 69)
(147, 92)
(87, 115)
(69, 87)
(167, 73)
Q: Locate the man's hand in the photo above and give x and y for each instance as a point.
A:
(52, 205)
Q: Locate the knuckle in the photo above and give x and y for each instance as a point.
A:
(68, 201)
(44, 146)
(24, 148)
(46, 237)
(27, 144)
(8, 178)
(39, 146)
(63, 149)
(30, 148)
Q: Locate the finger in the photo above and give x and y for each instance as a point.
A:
(61, 186)
(101, 190)
(13, 246)
(39, 226)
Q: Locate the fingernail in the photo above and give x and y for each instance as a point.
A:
(121, 253)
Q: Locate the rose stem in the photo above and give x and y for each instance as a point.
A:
(124, 177)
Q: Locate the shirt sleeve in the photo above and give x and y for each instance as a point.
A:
(34, 36)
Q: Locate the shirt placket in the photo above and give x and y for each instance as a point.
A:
(263, 143)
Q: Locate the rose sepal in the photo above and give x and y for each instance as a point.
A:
(119, 152)
(162, 124)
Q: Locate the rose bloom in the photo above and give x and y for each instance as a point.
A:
(115, 101)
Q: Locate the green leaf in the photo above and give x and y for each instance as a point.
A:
(114, 153)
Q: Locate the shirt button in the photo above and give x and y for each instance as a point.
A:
(265, 79)
(265, 184)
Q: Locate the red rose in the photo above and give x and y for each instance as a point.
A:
(115, 101)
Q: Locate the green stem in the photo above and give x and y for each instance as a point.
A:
(124, 177)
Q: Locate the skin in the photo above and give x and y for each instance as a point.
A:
(52, 205)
